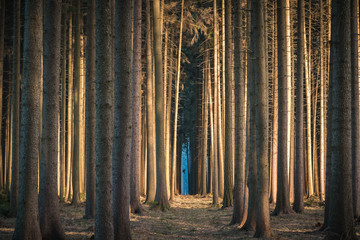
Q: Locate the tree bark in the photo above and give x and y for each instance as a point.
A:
(340, 222)
(299, 174)
(50, 224)
(27, 221)
(2, 38)
(104, 122)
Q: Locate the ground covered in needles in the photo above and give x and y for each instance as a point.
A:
(190, 217)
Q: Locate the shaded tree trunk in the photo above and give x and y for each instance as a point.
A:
(340, 222)
(104, 121)
(229, 124)
(50, 224)
(2, 38)
(27, 221)
(123, 123)
(299, 174)
(136, 111)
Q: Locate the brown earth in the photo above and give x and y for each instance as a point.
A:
(190, 217)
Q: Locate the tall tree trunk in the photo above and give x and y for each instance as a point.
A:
(299, 174)
(262, 120)
(322, 107)
(123, 123)
(90, 111)
(77, 113)
(2, 38)
(70, 137)
(161, 192)
(27, 221)
(355, 120)
(63, 109)
(104, 121)
(16, 112)
(238, 209)
(282, 199)
(150, 112)
(50, 224)
(340, 222)
(229, 130)
(216, 110)
(205, 124)
(177, 89)
(136, 112)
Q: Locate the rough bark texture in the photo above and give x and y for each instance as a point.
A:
(27, 221)
(150, 112)
(50, 224)
(282, 199)
(2, 38)
(262, 120)
(90, 123)
(77, 113)
(16, 112)
(161, 192)
(340, 222)
(136, 112)
(104, 122)
(229, 124)
(355, 120)
(123, 123)
(299, 174)
(238, 209)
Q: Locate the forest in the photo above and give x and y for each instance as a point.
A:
(179, 119)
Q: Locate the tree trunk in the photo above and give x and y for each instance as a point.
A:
(355, 120)
(340, 222)
(2, 38)
(282, 199)
(15, 112)
(136, 112)
(90, 111)
(238, 209)
(27, 221)
(104, 121)
(229, 130)
(77, 113)
(161, 192)
(150, 112)
(299, 174)
(50, 224)
(177, 89)
(123, 123)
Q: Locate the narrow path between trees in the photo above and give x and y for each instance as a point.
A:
(190, 217)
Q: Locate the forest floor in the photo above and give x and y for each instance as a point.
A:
(190, 217)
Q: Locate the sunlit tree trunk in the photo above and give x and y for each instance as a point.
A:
(161, 192)
(177, 89)
(205, 124)
(15, 111)
(282, 199)
(90, 111)
(340, 222)
(27, 220)
(150, 112)
(50, 224)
